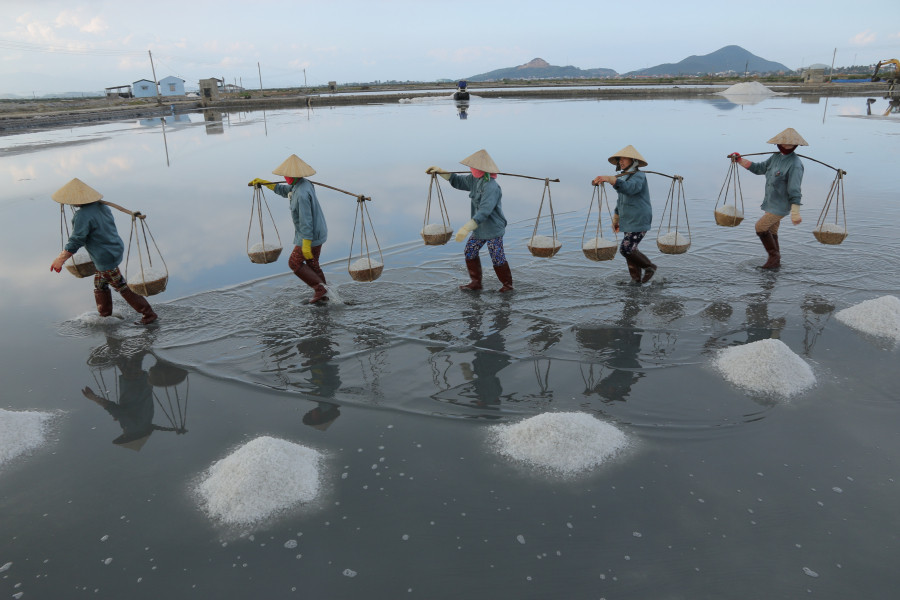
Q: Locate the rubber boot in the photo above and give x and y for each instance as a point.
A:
(644, 263)
(140, 304)
(770, 243)
(104, 301)
(633, 270)
(505, 277)
(314, 263)
(310, 278)
(474, 267)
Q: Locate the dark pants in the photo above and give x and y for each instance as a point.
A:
(297, 260)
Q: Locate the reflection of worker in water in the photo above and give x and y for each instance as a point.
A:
(760, 326)
(490, 358)
(322, 416)
(317, 348)
(134, 409)
(623, 343)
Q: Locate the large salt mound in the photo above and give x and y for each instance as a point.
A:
(562, 442)
(766, 366)
(258, 479)
(21, 432)
(748, 88)
(879, 317)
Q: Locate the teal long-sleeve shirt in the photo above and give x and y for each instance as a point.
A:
(306, 212)
(94, 228)
(633, 204)
(784, 175)
(486, 208)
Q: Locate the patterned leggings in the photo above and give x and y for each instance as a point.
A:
(630, 241)
(113, 277)
(768, 222)
(297, 260)
(495, 249)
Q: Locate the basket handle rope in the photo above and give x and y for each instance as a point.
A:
(442, 206)
(546, 194)
(674, 203)
(256, 204)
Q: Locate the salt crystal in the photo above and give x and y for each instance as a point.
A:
(364, 264)
(543, 241)
(766, 366)
(729, 210)
(831, 228)
(561, 442)
(673, 238)
(597, 242)
(21, 432)
(261, 477)
(436, 229)
(878, 317)
(269, 246)
(145, 275)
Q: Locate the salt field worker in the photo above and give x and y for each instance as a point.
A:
(487, 223)
(310, 230)
(94, 228)
(633, 214)
(784, 175)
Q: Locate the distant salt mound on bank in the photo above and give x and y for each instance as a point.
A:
(879, 317)
(766, 366)
(749, 89)
(262, 477)
(21, 432)
(562, 442)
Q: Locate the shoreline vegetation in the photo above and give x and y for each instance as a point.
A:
(23, 115)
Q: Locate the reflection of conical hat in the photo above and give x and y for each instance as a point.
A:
(294, 167)
(628, 152)
(135, 444)
(788, 137)
(321, 419)
(76, 192)
(482, 161)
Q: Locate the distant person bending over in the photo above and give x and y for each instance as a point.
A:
(94, 228)
(784, 176)
(633, 214)
(310, 229)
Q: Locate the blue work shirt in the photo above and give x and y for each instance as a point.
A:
(633, 204)
(784, 174)
(309, 222)
(486, 209)
(94, 228)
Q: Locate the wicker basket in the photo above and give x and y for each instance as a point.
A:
(84, 269)
(153, 284)
(261, 257)
(594, 251)
(669, 243)
(166, 375)
(437, 239)
(832, 238)
(543, 252)
(365, 269)
(728, 220)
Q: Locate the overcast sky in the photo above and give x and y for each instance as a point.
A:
(79, 45)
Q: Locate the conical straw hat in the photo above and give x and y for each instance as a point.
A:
(788, 137)
(76, 193)
(294, 167)
(628, 152)
(482, 161)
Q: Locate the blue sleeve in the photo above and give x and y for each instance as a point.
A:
(490, 198)
(760, 168)
(795, 179)
(631, 186)
(282, 189)
(81, 229)
(461, 182)
(304, 210)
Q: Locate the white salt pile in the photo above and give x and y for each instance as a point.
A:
(878, 316)
(365, 263)
(147, 275)
(766, 366)
(831, 228)
(562, 442)
(21, 432)
(262, 477)
(436, 229)
(597, 242)
(729, 210)
(81, 257)
(673, 239)
(543, 241)
(748, 88)
(258, 247)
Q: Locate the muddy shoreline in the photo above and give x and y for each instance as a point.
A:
(35, 115)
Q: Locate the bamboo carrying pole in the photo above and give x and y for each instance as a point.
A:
(508, 175)
(800, 155)
(133, 213)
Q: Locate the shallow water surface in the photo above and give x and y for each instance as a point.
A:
(722, 492)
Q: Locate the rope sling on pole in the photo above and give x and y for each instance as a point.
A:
(730, 215)
(673, 241)
(261, 252)
(599, 248)
(153, 280)
(540, 245)
(435, 234)
(81, 264)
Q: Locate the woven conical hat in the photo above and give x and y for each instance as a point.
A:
(788, 137)
(76, 193)
(482, 161)
(628, 152)
(294, 167)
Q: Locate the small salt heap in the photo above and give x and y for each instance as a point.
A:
(565, 443)
(21, 432)
(81, 257)
(147, 275)
(831, 228)
(748, 88)
(729, 210)
(262, 477)
(596, 243)
(673, 238)
(258, 247)
(436, 229)
(878, 316)
(364, 264)
(766, 366)
(544, 241)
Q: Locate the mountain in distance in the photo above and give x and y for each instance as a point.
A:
(729, 58)
(541, 69)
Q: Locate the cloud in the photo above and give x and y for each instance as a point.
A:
(70, 19)
(863, 38)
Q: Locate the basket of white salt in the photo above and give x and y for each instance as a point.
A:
(262, 251)
(677, 238)
(599, 248)
(673, 243)
(81, 264)
(543, 246)
(730, 215)
(436, 234)
(365, 267)
(145, 270)
(830, 234)
(831, 227)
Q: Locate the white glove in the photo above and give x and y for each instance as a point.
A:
(439, 171)
(465, 230)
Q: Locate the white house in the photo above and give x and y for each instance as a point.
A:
(144, 88)
(171, 86)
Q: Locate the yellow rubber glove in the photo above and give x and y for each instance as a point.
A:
(439, 171)
(258, 182)
(465, 230)
(307, 249)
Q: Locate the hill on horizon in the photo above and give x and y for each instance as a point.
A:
(541, 69)
(728, 58)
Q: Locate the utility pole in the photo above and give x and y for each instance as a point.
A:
(831, 73)
(260, 75)
(155, 83)
(304, 78)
